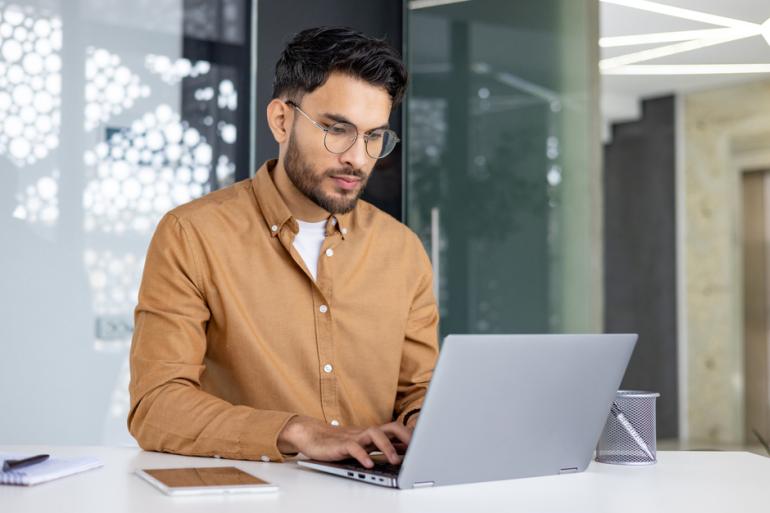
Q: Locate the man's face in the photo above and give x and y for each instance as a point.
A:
(335, 181)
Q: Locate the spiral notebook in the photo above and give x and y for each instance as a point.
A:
(52, 468)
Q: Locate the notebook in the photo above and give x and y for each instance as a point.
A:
(52, 468)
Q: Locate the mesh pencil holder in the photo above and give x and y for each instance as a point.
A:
(629, 433)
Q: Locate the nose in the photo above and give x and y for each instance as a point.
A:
(356, 156)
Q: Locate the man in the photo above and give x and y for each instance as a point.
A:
(281, 315)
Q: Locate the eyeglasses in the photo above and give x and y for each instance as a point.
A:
(340, 137)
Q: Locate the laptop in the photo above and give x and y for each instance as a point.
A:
(504, 407)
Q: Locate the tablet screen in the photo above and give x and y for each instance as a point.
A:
(201, 477)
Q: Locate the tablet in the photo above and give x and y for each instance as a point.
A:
(204, 480)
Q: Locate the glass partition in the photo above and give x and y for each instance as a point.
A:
(502, 167)
(111, 113)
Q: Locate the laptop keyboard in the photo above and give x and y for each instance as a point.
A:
(380, 468)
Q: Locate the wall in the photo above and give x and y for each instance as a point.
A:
(724, 132)
(640, 251)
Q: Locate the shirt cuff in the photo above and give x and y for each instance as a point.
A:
(259, 440)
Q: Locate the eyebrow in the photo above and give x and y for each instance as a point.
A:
(339, 118)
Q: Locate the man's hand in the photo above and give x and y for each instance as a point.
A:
(315, 439)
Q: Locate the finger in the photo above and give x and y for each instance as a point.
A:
(398, 430)
(383, 443)
(356, 451)
(364, 439)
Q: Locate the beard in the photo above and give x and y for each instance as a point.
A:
(310, 184)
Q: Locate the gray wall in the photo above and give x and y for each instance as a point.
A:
(640, 251)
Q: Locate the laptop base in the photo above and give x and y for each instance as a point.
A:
(354, 471)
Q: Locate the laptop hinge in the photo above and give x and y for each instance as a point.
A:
(568, 470)
(423, 484)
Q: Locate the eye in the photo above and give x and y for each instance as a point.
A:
(339, 129)
(375, 136)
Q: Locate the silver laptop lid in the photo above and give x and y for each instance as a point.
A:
(510, 406)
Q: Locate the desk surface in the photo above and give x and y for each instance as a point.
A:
(680, 481)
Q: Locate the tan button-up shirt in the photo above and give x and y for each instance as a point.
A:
(233, 337)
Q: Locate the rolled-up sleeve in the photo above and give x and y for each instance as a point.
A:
(169, 412)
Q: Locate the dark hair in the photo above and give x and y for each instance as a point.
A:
(311, 55)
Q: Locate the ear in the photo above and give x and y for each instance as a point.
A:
(279, 118)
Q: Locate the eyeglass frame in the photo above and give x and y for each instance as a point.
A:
(326, 129)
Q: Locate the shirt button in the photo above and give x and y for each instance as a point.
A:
(330, 252)
(344, 231)
(323, 309)
(335, 422)
(328, 368)
(274, 228)
(265, 458)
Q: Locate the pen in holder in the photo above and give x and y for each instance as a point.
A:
(629, 433)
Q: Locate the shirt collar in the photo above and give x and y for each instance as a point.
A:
(275, 212)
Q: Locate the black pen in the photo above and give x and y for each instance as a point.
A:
(26, 462)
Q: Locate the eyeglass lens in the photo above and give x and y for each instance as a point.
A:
(341, 136)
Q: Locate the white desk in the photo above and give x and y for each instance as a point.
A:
(680, 481)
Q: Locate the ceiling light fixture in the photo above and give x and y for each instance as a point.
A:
(766, 30)
(731, 30)
(679, 12)
(664, 51)
(424, 4)
(662, 37)
(690, 69)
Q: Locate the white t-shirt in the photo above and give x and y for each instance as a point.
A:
(308, 243)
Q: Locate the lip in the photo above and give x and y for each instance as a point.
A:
(346, 182)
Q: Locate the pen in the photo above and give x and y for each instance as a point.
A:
(618, 413)
(26, 462)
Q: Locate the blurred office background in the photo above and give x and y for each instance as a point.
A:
(570, 165)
